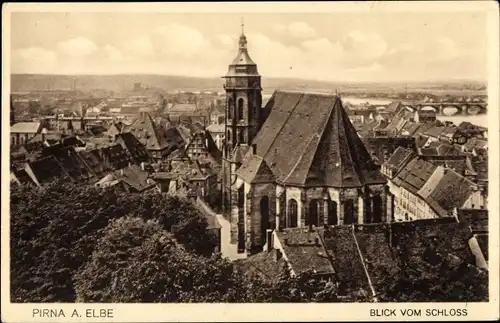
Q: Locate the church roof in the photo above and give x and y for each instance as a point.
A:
(255, 170)
(308, 140)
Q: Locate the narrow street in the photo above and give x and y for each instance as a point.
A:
(228, 250)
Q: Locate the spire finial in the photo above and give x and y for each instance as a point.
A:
(242, 26)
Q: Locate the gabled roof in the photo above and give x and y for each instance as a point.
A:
(394, 107)
(135, 177)
(415, 174)
(340, 243)
(326, 152)
(136, 150)
(303, 253)
(448, 190)
(150, 134)
(399, 158)
(45, 169)
(255, 170)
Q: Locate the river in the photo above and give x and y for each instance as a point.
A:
(479, 120)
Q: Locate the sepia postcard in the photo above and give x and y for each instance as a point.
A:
(250, 161)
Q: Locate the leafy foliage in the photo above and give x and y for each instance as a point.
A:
(138, 261)
(54, 230)
(439, 279)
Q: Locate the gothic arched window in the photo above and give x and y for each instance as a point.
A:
(292, 213)
(230, 108)
(241, 103)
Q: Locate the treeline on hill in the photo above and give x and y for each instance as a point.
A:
(78, 243)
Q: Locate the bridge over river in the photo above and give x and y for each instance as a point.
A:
(450, 109)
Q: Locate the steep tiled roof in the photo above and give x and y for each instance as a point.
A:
(136, 150)
(72, 163)
(341, 245)
(394, 107)
(415, 174)
(451, 190)
(424, 126)
(399, 159)
(153, 136)
(326, 152)
(410, 128)
(255, 170)
(46, 169)
(303, 253)
(374, 244)
(383, 147)
(135, 177)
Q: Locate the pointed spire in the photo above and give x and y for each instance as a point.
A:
(243, 38)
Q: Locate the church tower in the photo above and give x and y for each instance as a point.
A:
(244, 117)
(243, 99)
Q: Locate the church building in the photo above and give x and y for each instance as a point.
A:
(297, 162)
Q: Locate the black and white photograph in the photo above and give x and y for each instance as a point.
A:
(249, 156)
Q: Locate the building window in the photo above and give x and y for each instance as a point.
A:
(241, 136)
(292, 213)
(332, 213)
(241, 103)
(230, 108)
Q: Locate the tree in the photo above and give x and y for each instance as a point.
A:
(54, 230)
(138, 261)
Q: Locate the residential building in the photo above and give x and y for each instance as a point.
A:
(159, 142)
(21, 132)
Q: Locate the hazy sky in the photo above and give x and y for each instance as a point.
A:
(329, 46)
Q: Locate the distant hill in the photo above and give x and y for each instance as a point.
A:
(121, 83)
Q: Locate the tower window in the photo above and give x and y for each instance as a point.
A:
(230, 109)
(241, 103)
(241, 136)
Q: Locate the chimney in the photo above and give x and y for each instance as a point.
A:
(316, 242)
(269, 240)
(121, 172)
(143, 166)
(286, 241)
(254, 149)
